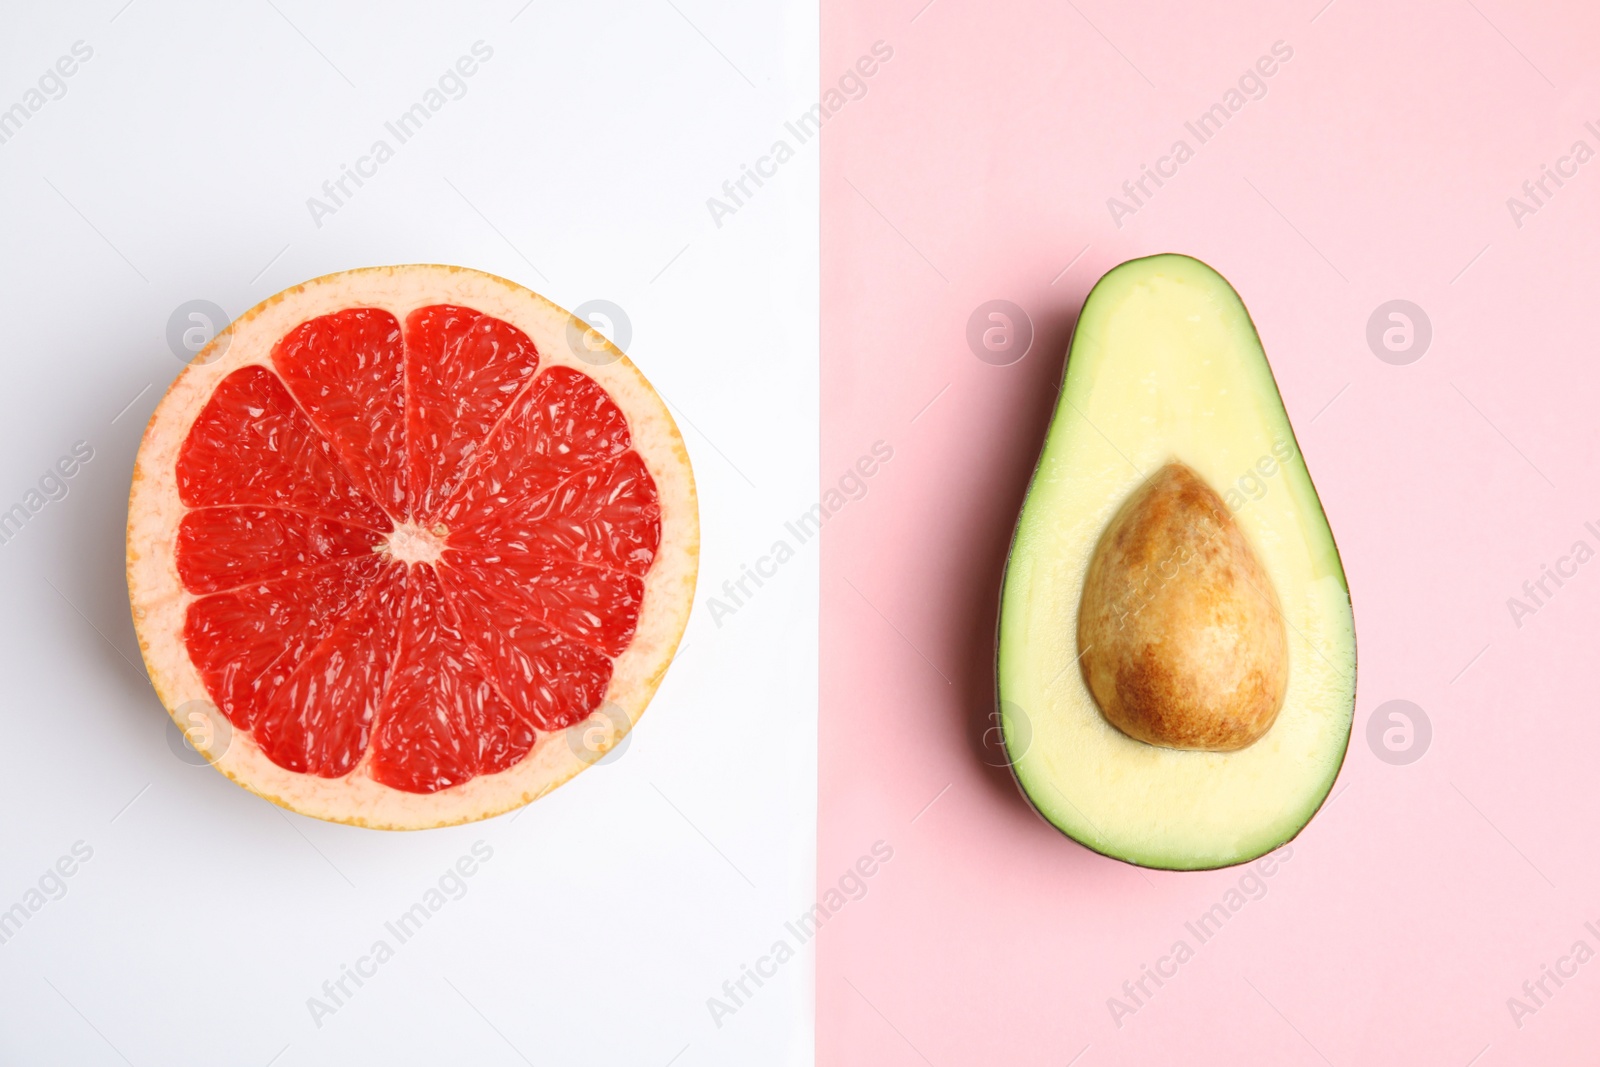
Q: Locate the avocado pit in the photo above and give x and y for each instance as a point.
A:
(1180, 634)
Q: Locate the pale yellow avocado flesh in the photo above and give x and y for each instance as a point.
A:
(1165, 366)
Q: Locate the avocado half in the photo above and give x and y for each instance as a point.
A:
(1166, 374)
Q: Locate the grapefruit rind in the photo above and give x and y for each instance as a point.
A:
(160, 602)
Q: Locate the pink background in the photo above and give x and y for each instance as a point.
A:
(977, 167)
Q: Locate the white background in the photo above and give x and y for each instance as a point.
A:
(177, 166)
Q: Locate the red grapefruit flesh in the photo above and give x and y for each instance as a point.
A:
(399, 556)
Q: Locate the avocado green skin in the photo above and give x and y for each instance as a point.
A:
(1011, 757)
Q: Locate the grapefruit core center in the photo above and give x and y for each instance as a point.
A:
(411, 542)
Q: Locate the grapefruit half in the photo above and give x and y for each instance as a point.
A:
(409, 546)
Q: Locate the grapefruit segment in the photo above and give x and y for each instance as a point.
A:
(463, 370)
(225, 547)
(345, 371)
(411, 546)
(597, 606)
(443, 721)
(607, 516)
(244, 643)
(319, 717)
(563, 424)
(252, 445)
(547, 678)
